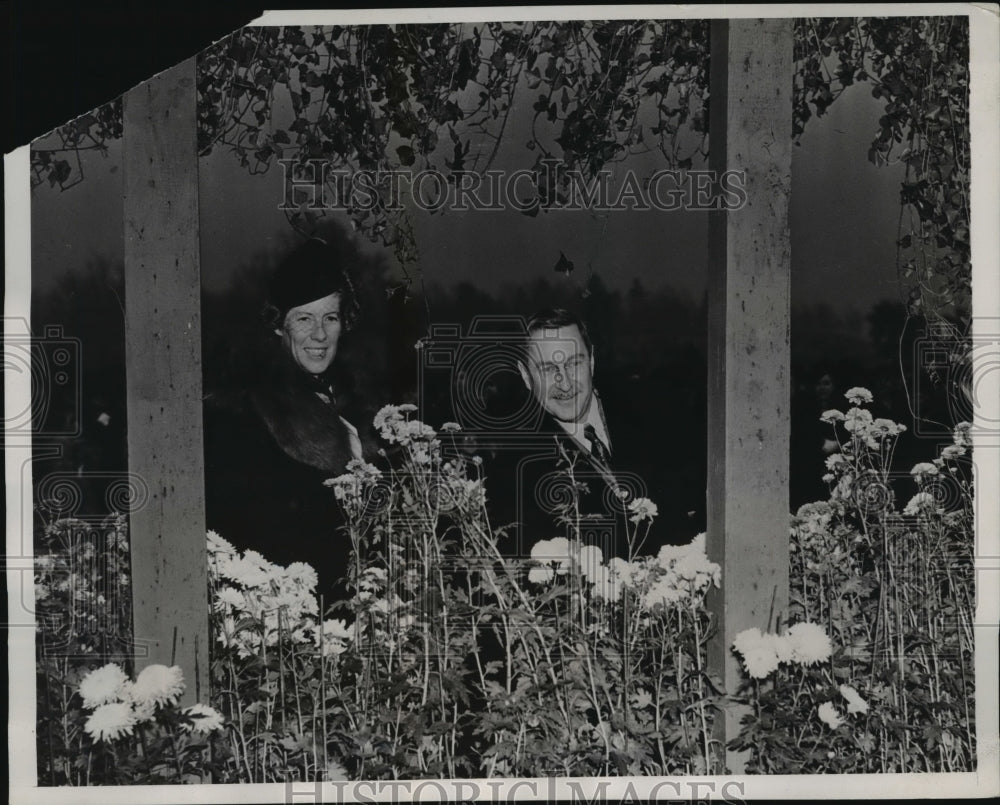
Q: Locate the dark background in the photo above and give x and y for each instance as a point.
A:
(65, 59)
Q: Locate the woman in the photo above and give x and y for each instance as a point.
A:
(269, 447)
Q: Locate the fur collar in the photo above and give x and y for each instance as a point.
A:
(303, 414)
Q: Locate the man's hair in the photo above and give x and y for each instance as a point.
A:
(553, 318)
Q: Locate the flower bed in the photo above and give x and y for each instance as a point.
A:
(450, 660)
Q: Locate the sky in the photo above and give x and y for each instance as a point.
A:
(844, 217)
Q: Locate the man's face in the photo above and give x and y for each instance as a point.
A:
(560, 372)
(311, 332)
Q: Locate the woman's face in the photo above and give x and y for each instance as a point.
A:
(824, 388)
(311, 332)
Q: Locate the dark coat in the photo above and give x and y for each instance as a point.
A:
(528, 479)
(268, 450)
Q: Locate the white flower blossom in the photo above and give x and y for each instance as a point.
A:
(642, 509)
(591, 559)
(206, 719)
(921, 503)
(760, 661)
(158, 684)
(110, 722)
(301, 574)
(858, 395)
(951, 452)
(747, 639)
(828, 715)
(886, 427)
(663, 591)
(103, 685)
(781, 645)
(557, 550)
(810, 643)
(229, 598)
(335, 636)
(541, 574)
(857, 421)
(923, 469)
(835, 460)
(962, 435)
(855, 704)
(218, 545)
(833, 415)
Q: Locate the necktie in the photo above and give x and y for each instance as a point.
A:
(597, 448)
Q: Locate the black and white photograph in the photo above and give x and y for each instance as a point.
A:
(595, 403)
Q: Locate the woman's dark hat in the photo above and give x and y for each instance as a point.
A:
(310, 272)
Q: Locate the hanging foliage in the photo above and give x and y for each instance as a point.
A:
(579, 95)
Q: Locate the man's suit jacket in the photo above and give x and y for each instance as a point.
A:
(540, 475)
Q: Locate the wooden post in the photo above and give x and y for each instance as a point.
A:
(750, 129)
(163, 360)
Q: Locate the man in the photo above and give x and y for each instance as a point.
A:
(565, 477)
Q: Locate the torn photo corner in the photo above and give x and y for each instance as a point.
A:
(581, 403)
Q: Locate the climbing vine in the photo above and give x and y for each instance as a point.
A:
(447, 97)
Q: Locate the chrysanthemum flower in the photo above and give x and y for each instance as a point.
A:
(855, 704)
(921, 503)
(110, 722)
(335, 628)
(810, 643)
(858, 395)
(557, 550)
(781, 645)
(335, 637)
(747, 639)
(834, 460)
(604, 585)
(962, 435)
(218, 545)
(642, 509)
(158, 684)
(205, 719)
(591, 559)
(541, 574)
(886, 427)
(857, 421)
(833, 415)
(102, 685)
(760, 660)
(385, 414)
(301, 574)
(663, 591)
(227, 598)
(923, 469)
(828, 715)
(246, 572)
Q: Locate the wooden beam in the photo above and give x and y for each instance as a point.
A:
(750, 129)
(163, 360)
